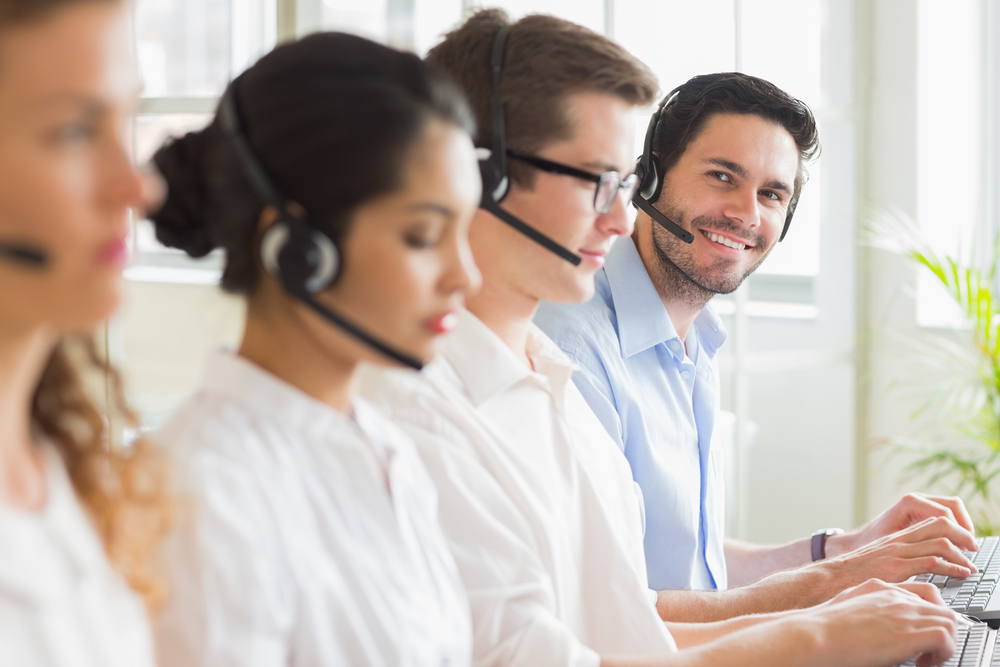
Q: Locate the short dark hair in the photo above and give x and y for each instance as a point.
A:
(331, 118)
(547, 60)
(691, 104)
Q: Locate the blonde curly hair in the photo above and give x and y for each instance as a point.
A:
(125, 490)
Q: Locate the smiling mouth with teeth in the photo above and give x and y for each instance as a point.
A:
(726, 242)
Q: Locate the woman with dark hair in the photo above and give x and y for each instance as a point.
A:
(339, 177)
(79, 516)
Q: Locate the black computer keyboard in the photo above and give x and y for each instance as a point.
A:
(973, 595)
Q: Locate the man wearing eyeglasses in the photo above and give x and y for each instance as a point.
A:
(537, 504)
(721, 174)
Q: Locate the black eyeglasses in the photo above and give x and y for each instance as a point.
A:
(608, 184)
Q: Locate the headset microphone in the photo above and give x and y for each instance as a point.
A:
(665, 222)
(332, 317)
(303, 259)
(27, 256)
(493, 163)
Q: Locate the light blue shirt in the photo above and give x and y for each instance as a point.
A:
(659, 404)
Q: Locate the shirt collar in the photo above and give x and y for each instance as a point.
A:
(48, 550)
(711, 332)
(550, 362)
(487, 367)
(643, 321)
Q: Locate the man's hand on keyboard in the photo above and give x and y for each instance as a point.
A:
(911, 509)
(881, 624)
(926, 592)
(931, 546)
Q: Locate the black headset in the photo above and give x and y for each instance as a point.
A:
(647, 169)
(303, 259)
(493, 167)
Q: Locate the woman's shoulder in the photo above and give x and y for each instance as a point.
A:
(54, 574)
(209, 425)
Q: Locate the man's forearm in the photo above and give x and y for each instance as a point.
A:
(747, 562)
(695, 634)
(786, 644)
(780, 591)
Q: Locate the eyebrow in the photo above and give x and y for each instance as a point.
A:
(432, 207)
(88, 105)
(92, 105)
(742, 173)
(601, 167)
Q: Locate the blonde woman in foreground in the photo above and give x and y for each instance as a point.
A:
(78, 518)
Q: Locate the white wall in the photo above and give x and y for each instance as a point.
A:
(163, 337)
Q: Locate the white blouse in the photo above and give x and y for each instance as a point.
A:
(537, 502)
(61, 603)
(293, 550)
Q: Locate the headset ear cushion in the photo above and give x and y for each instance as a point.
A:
(495, 185)
(271, 245)
(325, 257)
(788, 222)
(656, 179)
(301, 258)
(651, 184)
(792, 205)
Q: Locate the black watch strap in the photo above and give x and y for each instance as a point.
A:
(819, 539)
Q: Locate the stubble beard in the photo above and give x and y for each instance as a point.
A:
(679, 275)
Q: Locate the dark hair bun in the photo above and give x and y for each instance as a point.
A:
(330, 119)
(181, 221)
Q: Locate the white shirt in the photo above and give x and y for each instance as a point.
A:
(294, 552)
(61, 603)
(537, 502)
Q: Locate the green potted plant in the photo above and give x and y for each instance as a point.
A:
(957, 446)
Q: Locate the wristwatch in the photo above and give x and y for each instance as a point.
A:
(819, 541)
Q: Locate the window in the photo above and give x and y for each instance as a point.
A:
(950, 152)
(188, 51)
(718, 35)
(209, 41)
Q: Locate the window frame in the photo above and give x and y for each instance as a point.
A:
(299, 17)
(175, 267)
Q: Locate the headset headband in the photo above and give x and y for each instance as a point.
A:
(650, 179)
(654, 122)
(498, 153)
(260, 181)
(493, 169)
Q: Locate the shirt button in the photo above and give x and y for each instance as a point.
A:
(675, 345)
(685, 375)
